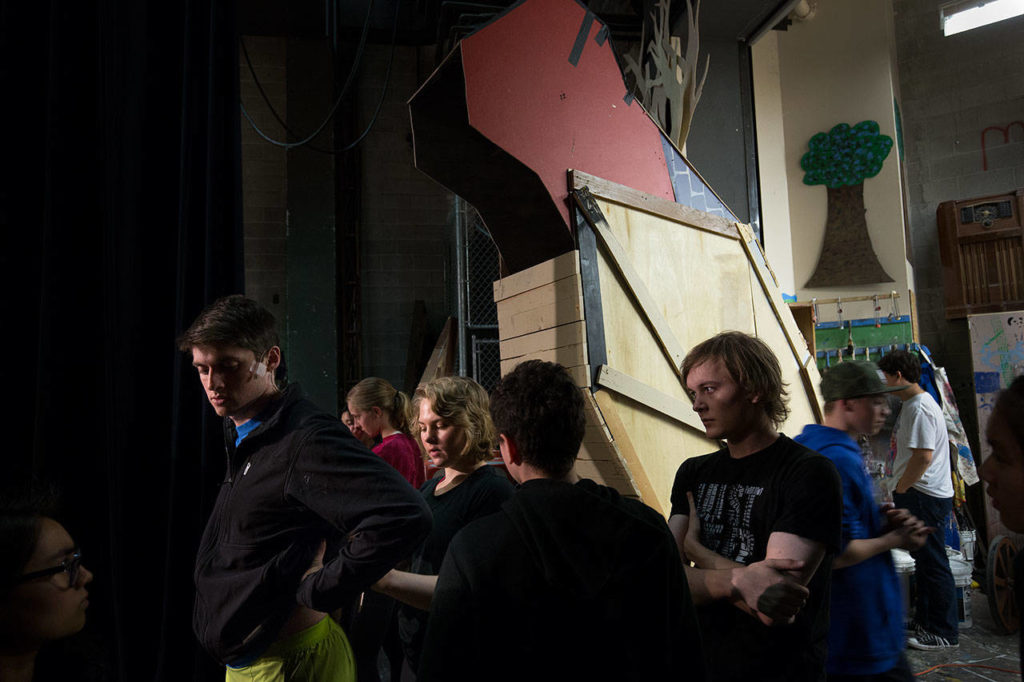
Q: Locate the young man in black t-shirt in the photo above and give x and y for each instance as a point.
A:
(759, 519)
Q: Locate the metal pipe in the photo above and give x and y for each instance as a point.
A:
(460, 285)
(780, 13)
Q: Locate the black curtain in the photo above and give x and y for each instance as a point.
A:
(120, 209)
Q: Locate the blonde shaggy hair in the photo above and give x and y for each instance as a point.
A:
(464, 403)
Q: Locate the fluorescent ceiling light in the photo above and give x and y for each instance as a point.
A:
(963, 16)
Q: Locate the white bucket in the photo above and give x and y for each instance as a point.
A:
(904, 564)
(962, 570)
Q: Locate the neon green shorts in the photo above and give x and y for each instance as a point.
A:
(317, 654)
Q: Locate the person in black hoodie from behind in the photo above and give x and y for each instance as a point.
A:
(573, 580)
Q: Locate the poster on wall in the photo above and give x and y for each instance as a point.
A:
(997, 357)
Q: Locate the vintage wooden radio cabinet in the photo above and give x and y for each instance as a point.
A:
(981, 242)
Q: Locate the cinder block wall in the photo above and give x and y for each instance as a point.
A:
(951, 89)
(265, 177)
(405, 218)
(405, 222)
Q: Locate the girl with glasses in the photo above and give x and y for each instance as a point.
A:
(42, 583)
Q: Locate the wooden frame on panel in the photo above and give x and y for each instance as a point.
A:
(650, 278)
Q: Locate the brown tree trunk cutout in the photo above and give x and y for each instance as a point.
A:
(847, 256)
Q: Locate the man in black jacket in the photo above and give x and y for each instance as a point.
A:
(306, 517)
(569, 581)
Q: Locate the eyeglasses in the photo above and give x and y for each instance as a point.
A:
(71, 566)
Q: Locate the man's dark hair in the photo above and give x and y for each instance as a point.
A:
(752, 365)
(232, 321)
(22, 508)
(539, 406)
(901, 362)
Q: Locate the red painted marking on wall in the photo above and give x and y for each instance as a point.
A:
(1006, 139)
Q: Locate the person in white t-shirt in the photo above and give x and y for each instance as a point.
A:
(921, 483)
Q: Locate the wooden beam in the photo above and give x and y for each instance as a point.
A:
(580, 375)
(552, 338)
(567, 356)
(543, 307)
(770, 289)
(566, 265)
(625, 385)
(442, 358)
(596, 433)
(673, 350)
(603, 451)
(608, 473)
(634, 198)
(915, 331)
(629, 455)
(847, 299)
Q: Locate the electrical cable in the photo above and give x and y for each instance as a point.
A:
(965, 665)
(337, 101)
(384, 90)
(376, 113)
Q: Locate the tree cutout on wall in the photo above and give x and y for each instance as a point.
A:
(840, 159)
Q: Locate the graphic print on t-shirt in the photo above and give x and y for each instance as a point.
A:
(725, 511)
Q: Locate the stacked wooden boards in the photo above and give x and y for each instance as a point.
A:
(651, 279)
(540, 317)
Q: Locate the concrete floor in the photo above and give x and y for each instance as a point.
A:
(980, 645)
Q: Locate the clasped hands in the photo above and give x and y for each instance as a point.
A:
(770, 588)
(908, 532)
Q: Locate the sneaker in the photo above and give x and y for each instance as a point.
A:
(928, 641)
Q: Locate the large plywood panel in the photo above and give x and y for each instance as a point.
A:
(700, 280)
(702, 283)
(660, 443)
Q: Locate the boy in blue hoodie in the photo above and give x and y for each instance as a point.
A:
(866, 635)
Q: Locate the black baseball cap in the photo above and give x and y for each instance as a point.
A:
(853, 379)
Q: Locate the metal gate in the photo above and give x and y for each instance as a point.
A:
(477, 267)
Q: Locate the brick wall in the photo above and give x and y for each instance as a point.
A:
(264, 177)
(405, 218)
(950, 90)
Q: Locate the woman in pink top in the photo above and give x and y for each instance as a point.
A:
(379, 410)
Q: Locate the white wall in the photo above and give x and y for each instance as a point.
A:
(835, 68)
(771, 161)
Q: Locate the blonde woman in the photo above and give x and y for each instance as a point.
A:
(381, 411)
(458, 435)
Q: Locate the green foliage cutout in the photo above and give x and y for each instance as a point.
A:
(845, 155)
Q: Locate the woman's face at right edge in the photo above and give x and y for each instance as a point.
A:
(1003, 470)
